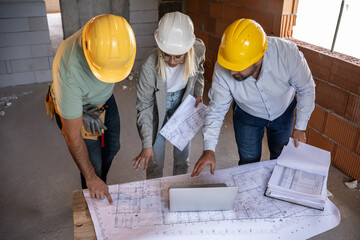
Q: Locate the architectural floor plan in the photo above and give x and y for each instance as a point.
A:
(141, 210)
(184, 123)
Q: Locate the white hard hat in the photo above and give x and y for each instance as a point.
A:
(175, 33)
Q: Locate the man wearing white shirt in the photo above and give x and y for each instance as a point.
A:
(267, 77)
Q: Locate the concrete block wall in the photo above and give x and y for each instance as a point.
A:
(211, 17)
(25, 48)
(335, 122)
(143, 20)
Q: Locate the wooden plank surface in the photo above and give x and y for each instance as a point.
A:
(83, 225)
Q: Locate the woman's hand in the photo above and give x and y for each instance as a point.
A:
(143, 157)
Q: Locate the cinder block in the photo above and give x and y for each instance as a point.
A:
(143, 5)
(41, 50)
(137, 65)
(19, 52)
(38, 24)
(345, 75)
(145, 41)
(348, 162)
(144, 28)
(318, 119)
(43, 76)
(3, 40)
(341, 131)
(22, 9)
(318, 140)
(2, 67)
(143, 16)
(27, 38)
(352, 112)
(30, 64)
(331, 97)
(15, 79)
(216, 10)
(8, 66)
(142, 52)
(51, 61)
(14, 25)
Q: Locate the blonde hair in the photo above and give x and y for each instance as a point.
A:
(189, 64)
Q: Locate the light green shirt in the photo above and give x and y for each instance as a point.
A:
(74, 85)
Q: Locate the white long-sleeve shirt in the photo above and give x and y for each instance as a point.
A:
(284, 70)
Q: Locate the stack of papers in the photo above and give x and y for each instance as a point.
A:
(300, 176)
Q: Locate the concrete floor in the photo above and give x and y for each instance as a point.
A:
(38, 175)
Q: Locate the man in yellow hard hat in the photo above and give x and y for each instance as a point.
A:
(86, 67)
(267, 77)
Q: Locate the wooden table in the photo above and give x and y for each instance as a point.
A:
(83, 225)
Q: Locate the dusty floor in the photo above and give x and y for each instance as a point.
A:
(38, 175)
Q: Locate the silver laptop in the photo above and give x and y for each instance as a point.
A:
(202, 197)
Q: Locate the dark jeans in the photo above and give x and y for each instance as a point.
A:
(102, 157)
(249, 131)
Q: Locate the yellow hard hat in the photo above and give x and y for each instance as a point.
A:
(109, 46)
(243, 43)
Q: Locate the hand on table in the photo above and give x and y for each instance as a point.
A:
(207, 158)
(98, 189)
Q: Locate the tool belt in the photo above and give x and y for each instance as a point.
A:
(51, 110)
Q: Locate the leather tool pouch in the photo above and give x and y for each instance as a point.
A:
(51, 110)
(88, 135)
(50, 105)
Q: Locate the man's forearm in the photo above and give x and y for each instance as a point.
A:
(79, 152)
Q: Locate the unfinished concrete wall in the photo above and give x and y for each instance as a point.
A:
(25, 49)
(141, 14)
(335, 122)
(75, 14)
(144, 21)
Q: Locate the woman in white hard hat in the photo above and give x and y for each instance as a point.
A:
(168, 75)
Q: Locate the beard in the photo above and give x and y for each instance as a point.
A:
(240, 77)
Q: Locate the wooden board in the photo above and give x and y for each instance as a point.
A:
(83, 225)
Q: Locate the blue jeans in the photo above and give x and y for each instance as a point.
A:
(249, 131)
(102, 157)
(181, 158)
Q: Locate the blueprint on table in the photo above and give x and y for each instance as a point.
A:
(184, 123)
(141, 210)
